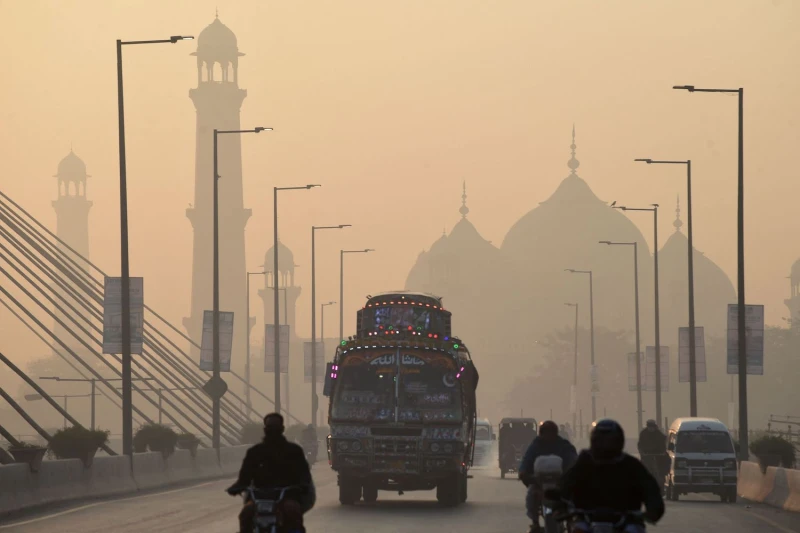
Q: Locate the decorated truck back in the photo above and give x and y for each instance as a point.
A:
(402, 402)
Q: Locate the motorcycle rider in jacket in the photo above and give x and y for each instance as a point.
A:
(547, 443)
(276, 463)
(604, 477)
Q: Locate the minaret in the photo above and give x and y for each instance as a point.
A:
(289, 293)
(72, 216)
(217, 100)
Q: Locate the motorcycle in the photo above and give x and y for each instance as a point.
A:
(599, 520)
(266, 503)
(547, 473)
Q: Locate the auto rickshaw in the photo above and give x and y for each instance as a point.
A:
(514, 437)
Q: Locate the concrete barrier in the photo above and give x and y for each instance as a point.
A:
(779, 487)
(62, 480)
(792, 502)
(16, 489)
(206, 464)
(111, 475)
(180, 467)
(230, 459)
(149, 470)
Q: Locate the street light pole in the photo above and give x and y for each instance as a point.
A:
(275, 286)
(636, 307)
(690, 266)
(247, 344)
(591, 334)
(216, 398)
(341, 286)
(127, 398)
(574, 394)
(742, 338)
(654, 209)
(314, 400)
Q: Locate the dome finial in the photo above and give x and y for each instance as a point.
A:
(464, 209)
(573, 163)
(216, 10)
(678, 223)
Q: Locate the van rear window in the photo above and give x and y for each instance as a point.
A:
(704, 442)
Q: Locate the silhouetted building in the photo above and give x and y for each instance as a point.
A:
(288, 292)
(793, 301)
(72, 222)
(217, 100)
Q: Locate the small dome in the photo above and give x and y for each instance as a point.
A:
(796, 272)
(285, 259)
(217, 42)
(72, 168)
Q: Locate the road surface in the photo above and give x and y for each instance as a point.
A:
(494, 505)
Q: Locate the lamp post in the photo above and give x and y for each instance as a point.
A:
(341, 286)
(690, 266)
(127, 398)
(217, 396)
(636, 306)
(314, 399)
(275, 281)
(654, 209)
(591, 332)
(742, 339)
(574, 394)
(66, 397)
(322, 331)
(247, 344)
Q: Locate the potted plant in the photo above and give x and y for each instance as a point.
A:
(188, 441)
(78, 443)
(31, 454)
(156, 438)
(773, 450)
(252, 433)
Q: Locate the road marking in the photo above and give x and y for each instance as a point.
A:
(773, 523)
(88, 506)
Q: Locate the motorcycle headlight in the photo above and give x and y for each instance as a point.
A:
(343, 446)
(356, 447)
(448, 448)
(435, 447)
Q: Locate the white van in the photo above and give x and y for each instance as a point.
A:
(703, 459)
(484, 441)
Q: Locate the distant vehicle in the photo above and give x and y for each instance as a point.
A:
(402, 402)
(484, 442)
(514, 437)
(703, 459)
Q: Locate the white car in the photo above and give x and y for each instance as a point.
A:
(484, 442)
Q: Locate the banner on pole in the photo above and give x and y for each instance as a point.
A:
(269, 348)
(650, 369)
(112, 315)
(320, 364)
(225, 341)
(754, 339)
(699, 354)
(632, 370)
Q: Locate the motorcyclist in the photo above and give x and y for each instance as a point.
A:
(309, 437)
(273, 463)
(547, 443)
(604, 477)
(653, 448)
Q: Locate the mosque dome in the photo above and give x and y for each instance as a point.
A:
(217, 43)
(72, 168)
(285, 259)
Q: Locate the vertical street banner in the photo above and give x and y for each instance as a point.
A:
(320, 349)
(650, 369)
(225, 341)
(754, 339)
(632, 371)
(699, 354)
(269, 348)
(112, 315)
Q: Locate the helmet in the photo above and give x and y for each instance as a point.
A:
(548, 428)
(607, 440)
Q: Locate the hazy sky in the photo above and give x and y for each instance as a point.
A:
(390, 105)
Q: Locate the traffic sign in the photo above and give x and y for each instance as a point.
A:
(216, 387)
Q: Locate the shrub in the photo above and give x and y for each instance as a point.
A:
(77, 442)
(252, 433)
(187, 440)
(156, 438)
(25, 445)
(771, 448)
